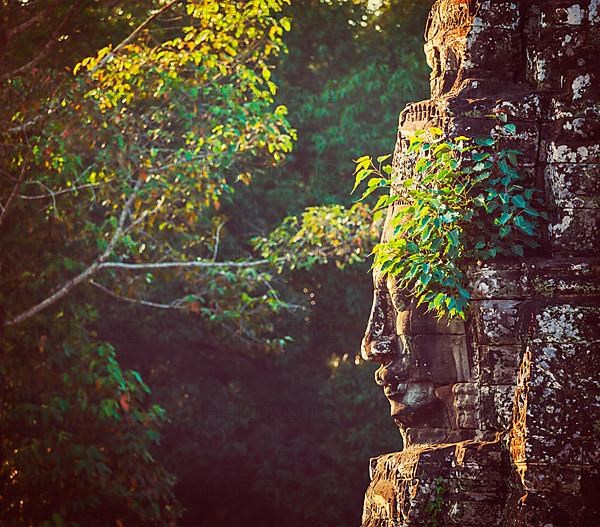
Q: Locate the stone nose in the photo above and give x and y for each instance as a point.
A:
(379, 342)
(381, 349)
(391, 373)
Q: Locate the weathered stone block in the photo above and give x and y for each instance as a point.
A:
(565, 278)
(442, 357)
(547, 450)
(499, 14)
(575, 232)
(466, 402)
(496, 407)
(580, 128)
(496, 321)
(593, 12)
(574, 129)
(590, 453)
(566, 366)
(557, 55)
(579, 153)
(499, 364)
(525, 108)
(492, 49)
(507, 282)
(560, 413)
(403, 485)
(570, 12)
(470, 513)
(566, 323)
(550, 478)
(563, 107)
(573, 186)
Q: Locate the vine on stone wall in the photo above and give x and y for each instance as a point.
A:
(465, 201)
(435, 506)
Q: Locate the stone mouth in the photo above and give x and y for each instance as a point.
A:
(395, 390)
(410, 402)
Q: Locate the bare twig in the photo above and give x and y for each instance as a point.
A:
(286, 305)
(141, 302)
(25, 126)
(52, 194)
(217, 240)
(202, 264)
(13, 195)
(145, 214)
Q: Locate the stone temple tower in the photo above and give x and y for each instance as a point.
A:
(502, 425)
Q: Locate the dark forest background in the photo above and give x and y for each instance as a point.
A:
(284, 439)
(252, 435)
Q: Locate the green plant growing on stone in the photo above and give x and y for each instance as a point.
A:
(434, 507)
(465, 201)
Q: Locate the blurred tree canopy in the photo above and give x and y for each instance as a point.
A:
(156, 164)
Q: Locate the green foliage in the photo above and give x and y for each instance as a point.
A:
(319, 236)
(435, 506)
(175, 132)
(131, 160)
(128, 161)
(465, 201)
(344, 83)
(78, 431)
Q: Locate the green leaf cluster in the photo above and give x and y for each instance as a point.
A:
(466, 200)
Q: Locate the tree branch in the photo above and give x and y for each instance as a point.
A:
(27, 24)
(145, 303)
(52, 41)
(25, 126)
(286, 305)
(52, 194)
(12, 196)
(134, 34)
(66, 288)
(217, 241)
(203, 264)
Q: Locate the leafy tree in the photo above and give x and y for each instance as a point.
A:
(77, 432)
(349, 72)
(143, 181)
(106, 177)
(133, 159)
(258, 463)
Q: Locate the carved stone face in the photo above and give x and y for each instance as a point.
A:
(449, 22)
(421, 360)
